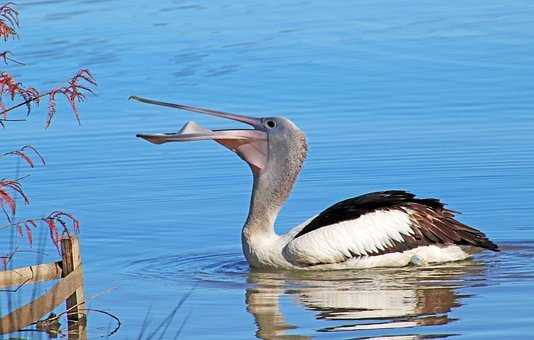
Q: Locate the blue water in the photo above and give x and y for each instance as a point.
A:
(431, 97)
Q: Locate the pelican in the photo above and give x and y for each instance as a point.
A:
(379, 229)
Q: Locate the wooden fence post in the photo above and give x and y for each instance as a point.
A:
(70, 251)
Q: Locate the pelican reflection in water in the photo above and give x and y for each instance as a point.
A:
(381, 229)
(388, 303)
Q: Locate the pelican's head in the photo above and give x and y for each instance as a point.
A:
(274, 147)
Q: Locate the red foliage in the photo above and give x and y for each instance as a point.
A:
(9, 86)
(10, 187)
(9, 20)
(73, 92)
(7, 188)
(52, 221)
(23, 154)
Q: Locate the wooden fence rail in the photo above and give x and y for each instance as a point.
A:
(31, 274)
(69, 288)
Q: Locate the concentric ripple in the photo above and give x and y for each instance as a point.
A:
(220, 265)
(227, 265)
(371, 302)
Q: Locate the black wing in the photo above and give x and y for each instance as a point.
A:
(431, 221)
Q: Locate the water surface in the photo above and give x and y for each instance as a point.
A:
(434, 98)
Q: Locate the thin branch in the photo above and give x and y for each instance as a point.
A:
(73, 92)
(26, 102)
(5, 56)
(22, 154)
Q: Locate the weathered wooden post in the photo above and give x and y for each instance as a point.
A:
(69, 288)
(77, 319)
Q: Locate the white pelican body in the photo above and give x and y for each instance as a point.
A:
(381, 229)
(286, 252)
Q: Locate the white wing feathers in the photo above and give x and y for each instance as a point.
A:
(369, 234)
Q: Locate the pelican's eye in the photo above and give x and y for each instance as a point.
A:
(270, 123)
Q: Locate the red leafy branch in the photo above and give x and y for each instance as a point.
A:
(23, 154)
(62, 219)
(9, 187)
(75, 92)
(9, 21)
(56, 222)
(9, 86)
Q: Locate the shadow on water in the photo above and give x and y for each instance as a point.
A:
(383, 302)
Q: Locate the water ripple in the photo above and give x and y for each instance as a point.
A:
(369, 301)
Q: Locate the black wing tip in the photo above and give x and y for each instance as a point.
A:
(406, 196)
(489, 245)
(391, 193)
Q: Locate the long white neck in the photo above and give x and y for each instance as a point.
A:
(259, 239)
(265, 204)
(270, 191)
(258, 233)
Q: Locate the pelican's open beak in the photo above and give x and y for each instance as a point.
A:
(249, 144)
